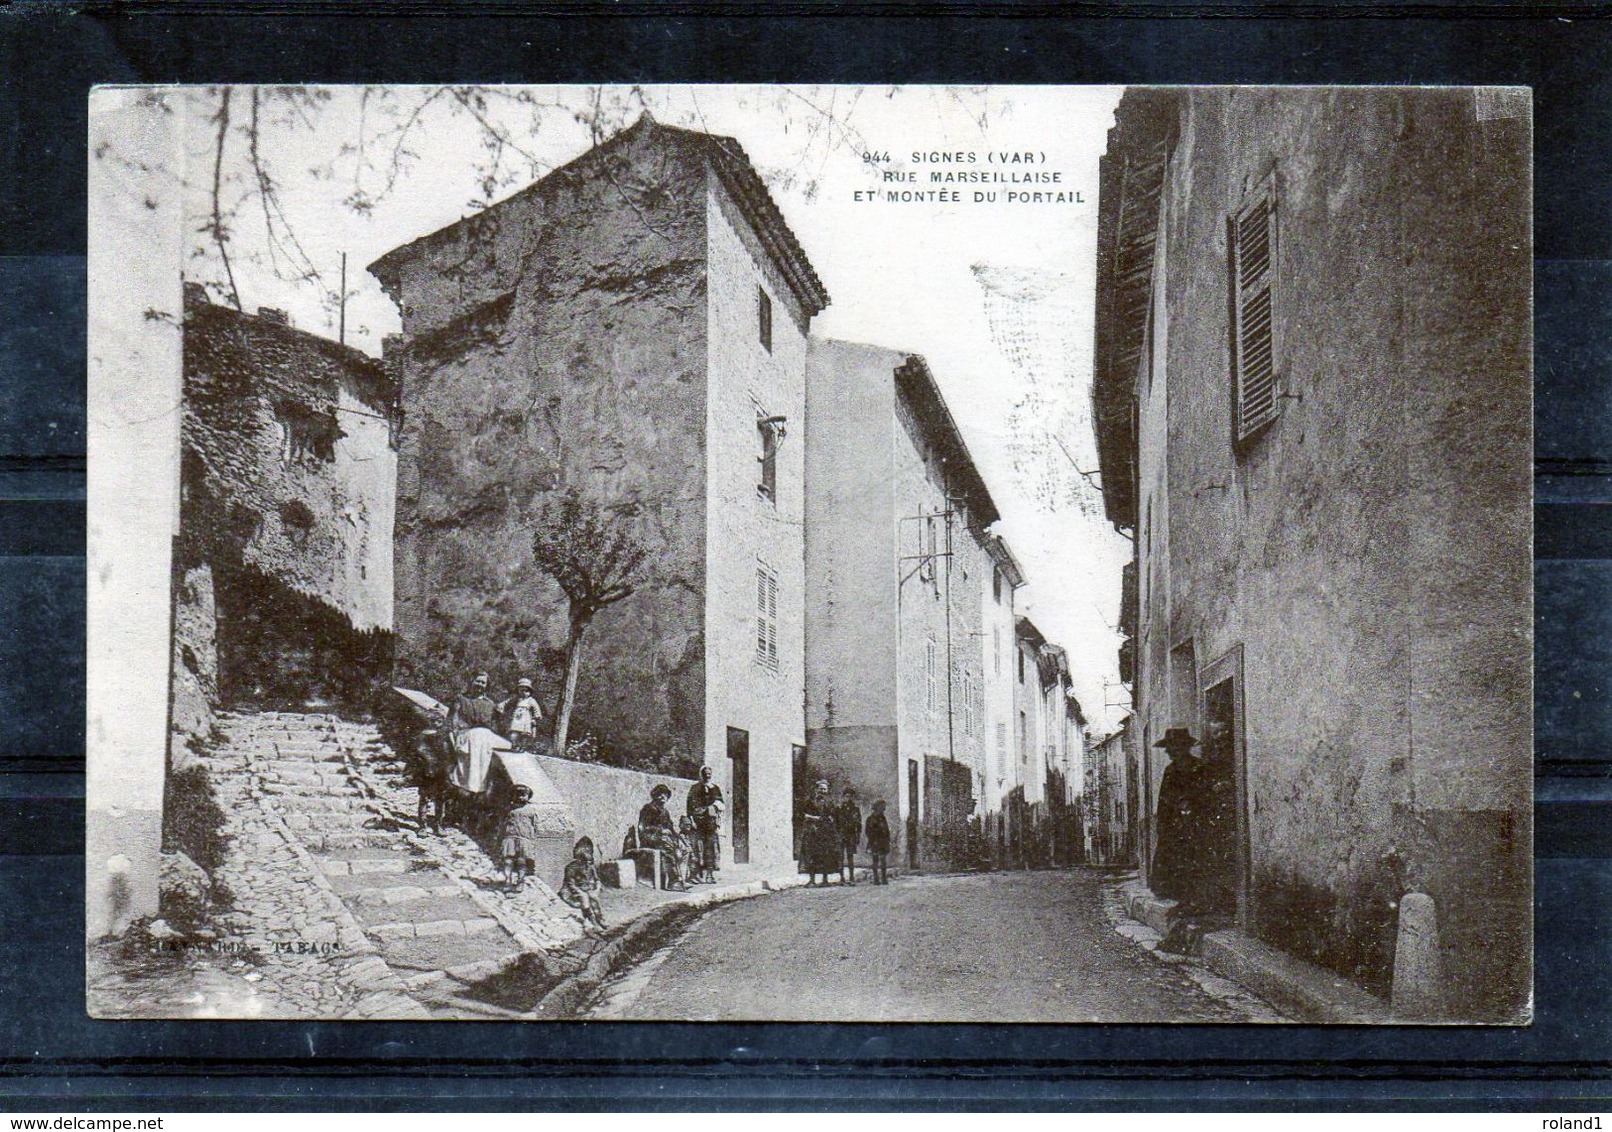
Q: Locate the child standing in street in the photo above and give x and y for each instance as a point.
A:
(580, 888)
(518, 839)
(878, 834)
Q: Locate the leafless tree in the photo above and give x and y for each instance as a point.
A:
(594, 556)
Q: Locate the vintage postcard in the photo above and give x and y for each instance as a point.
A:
(835, 553)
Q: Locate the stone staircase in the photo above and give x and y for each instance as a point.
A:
(424, 932)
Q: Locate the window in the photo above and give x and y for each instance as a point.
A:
(1253, 360)
(764, 317)
(306, 432)
(1021, 665)
(767, 616)
(1024, 738)
(996, 584)
(771, 430)
(931, 693)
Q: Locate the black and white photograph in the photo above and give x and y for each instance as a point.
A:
(810, 553)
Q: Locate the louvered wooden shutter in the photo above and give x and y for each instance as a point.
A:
(1253, 245)
(772, 619)
(761, 614)
(767, 616)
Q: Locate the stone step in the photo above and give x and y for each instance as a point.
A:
(455, 907)
(393, 894)
(332, 867)
(301, 770)
(332, 843)
(329, 822)
(313, 805)
(394, 930)
(350, 884)
(450, 953)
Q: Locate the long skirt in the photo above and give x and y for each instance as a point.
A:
(820, 847)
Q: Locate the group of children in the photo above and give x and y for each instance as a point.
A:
(518, 840)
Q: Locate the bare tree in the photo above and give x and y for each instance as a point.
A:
(591, 552)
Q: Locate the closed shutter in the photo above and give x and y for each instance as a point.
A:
(1253, 241)
(767, 617)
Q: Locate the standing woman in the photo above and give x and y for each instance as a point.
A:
(820, 837)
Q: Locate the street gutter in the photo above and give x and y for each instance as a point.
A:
(637, 938)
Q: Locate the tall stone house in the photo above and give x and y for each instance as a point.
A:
(1312, 394)
(283, 559)
(898, 567)
(633, 325)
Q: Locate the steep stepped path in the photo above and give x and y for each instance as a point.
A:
(427, 929)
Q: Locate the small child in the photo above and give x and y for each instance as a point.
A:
(524, 713)
(519, 837)
(580, 888)
(878, 834)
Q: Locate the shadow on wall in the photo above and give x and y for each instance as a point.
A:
(1352, 933)
(282, 650)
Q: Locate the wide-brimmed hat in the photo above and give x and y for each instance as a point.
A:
(1177, 738)
(661, 790)
(524, 682)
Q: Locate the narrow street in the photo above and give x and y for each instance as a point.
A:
(992, 947)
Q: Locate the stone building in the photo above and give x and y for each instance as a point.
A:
(633, 325)
(1312, 395)
(899, 576)
(1110, 799)
(283, 560)
(999, 585)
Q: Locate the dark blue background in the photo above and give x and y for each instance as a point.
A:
(52, 1056)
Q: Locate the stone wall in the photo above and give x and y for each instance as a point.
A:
(1368, 553)
(287, 482)
(605, 800)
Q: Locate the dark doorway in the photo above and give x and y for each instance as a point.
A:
(914, 792)
(801, 781)
(1221, 850)
(739, 755)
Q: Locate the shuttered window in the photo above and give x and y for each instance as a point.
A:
(1253, 247)
(767, 616)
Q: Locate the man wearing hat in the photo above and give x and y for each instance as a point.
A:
(1182, 807)
(523, 713)
(657, 830)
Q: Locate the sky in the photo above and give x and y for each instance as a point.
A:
(997, 294)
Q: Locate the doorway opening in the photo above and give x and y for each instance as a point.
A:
(913, 794)
(739, 755)
(1228, 859)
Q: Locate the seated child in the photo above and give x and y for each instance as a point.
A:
(580, 888)
(518, 839)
